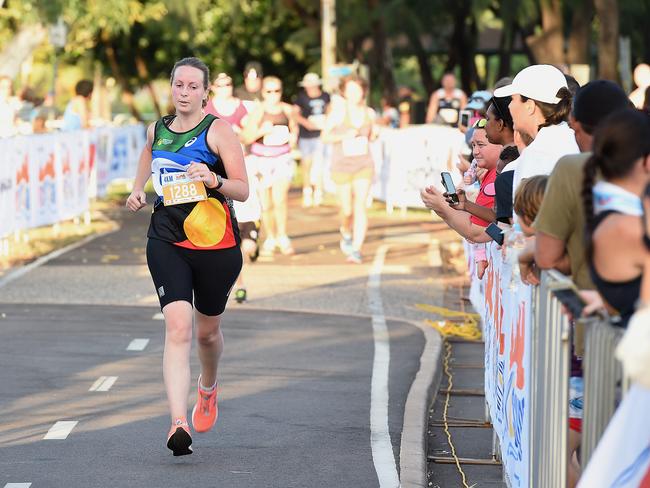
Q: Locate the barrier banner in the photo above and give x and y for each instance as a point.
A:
(622, 458)
(413, 158)
(8, 195)
(44, 180)
(47, 178)
(507, 322)
(72, 165)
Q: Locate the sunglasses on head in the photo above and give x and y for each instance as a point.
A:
(498, 109)
(480, 124)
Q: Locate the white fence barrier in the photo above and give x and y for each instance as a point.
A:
(49, 178)
(408, 159)
(527, 366)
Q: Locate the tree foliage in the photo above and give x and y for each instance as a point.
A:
(137, 41)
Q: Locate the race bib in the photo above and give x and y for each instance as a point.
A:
(278, 137)
(180, 188)
(355, 146)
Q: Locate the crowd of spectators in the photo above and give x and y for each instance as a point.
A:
(566, 190)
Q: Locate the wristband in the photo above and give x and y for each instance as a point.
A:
(219, 181)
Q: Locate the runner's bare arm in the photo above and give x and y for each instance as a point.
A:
(432, 110)
(137, 198)
(223, 139)
(251, 131)
(293, 125)
(297, 111)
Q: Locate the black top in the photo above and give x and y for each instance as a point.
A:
(622, 295)
(503, 188)
(311, 106)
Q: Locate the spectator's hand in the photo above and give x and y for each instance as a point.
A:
(480, 173)
(481, 266)
(593, 302)
(463, 164)
(137, 200)
(433, 199)
(528, 271)
(462, 198)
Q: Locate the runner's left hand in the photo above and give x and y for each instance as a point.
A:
(200, 172)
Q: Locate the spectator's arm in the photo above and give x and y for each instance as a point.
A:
(304, 121)
(457, 220)
(550, 252)
(483, 213)
(527, 263)
(432, 110)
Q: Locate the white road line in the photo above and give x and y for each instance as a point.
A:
(137, 345)
(158, 316)
(382, 448)
(103, 383)
(9, 277)
(18, 485)
(61, 430)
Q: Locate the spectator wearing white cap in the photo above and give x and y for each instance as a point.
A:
(540, 107)
(310, 108)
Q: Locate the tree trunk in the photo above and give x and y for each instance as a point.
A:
(119, 76)
(608, 20)
(461, 46)
(548, 47)
(20, 47)
(413, 34)
(580, 35)
(143, 73)
(381, 50)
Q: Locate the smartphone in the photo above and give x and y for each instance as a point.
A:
(494, 231)
(448, 183)
(465, 117)
(570, 298)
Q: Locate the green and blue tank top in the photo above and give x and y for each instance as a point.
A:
(206, 225)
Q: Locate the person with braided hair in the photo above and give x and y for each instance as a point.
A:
(616, 251)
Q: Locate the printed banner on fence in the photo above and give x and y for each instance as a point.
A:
(622, 458)
(47, 178)
(506, 330)
(7, 191)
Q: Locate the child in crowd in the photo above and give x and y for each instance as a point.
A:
(528, 201)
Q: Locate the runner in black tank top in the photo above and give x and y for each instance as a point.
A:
(192, 251)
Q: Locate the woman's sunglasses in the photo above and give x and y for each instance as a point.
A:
(273, 91)
(480, 124)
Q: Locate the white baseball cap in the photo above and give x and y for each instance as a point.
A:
(540, 82)
(311, 79)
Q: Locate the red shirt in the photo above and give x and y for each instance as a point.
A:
(485, 196)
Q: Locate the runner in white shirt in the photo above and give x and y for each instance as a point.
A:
(540, 106)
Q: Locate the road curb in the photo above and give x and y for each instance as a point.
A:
(413, 446)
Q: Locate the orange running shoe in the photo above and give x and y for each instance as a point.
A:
(179, 439)
(205, 412)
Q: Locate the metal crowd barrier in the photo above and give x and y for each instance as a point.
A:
(550, 360)
(602, 375)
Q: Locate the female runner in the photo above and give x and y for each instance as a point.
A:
(193, 247)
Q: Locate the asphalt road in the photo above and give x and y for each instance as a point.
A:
(295, 386)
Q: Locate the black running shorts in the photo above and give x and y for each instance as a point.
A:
(182, 274)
